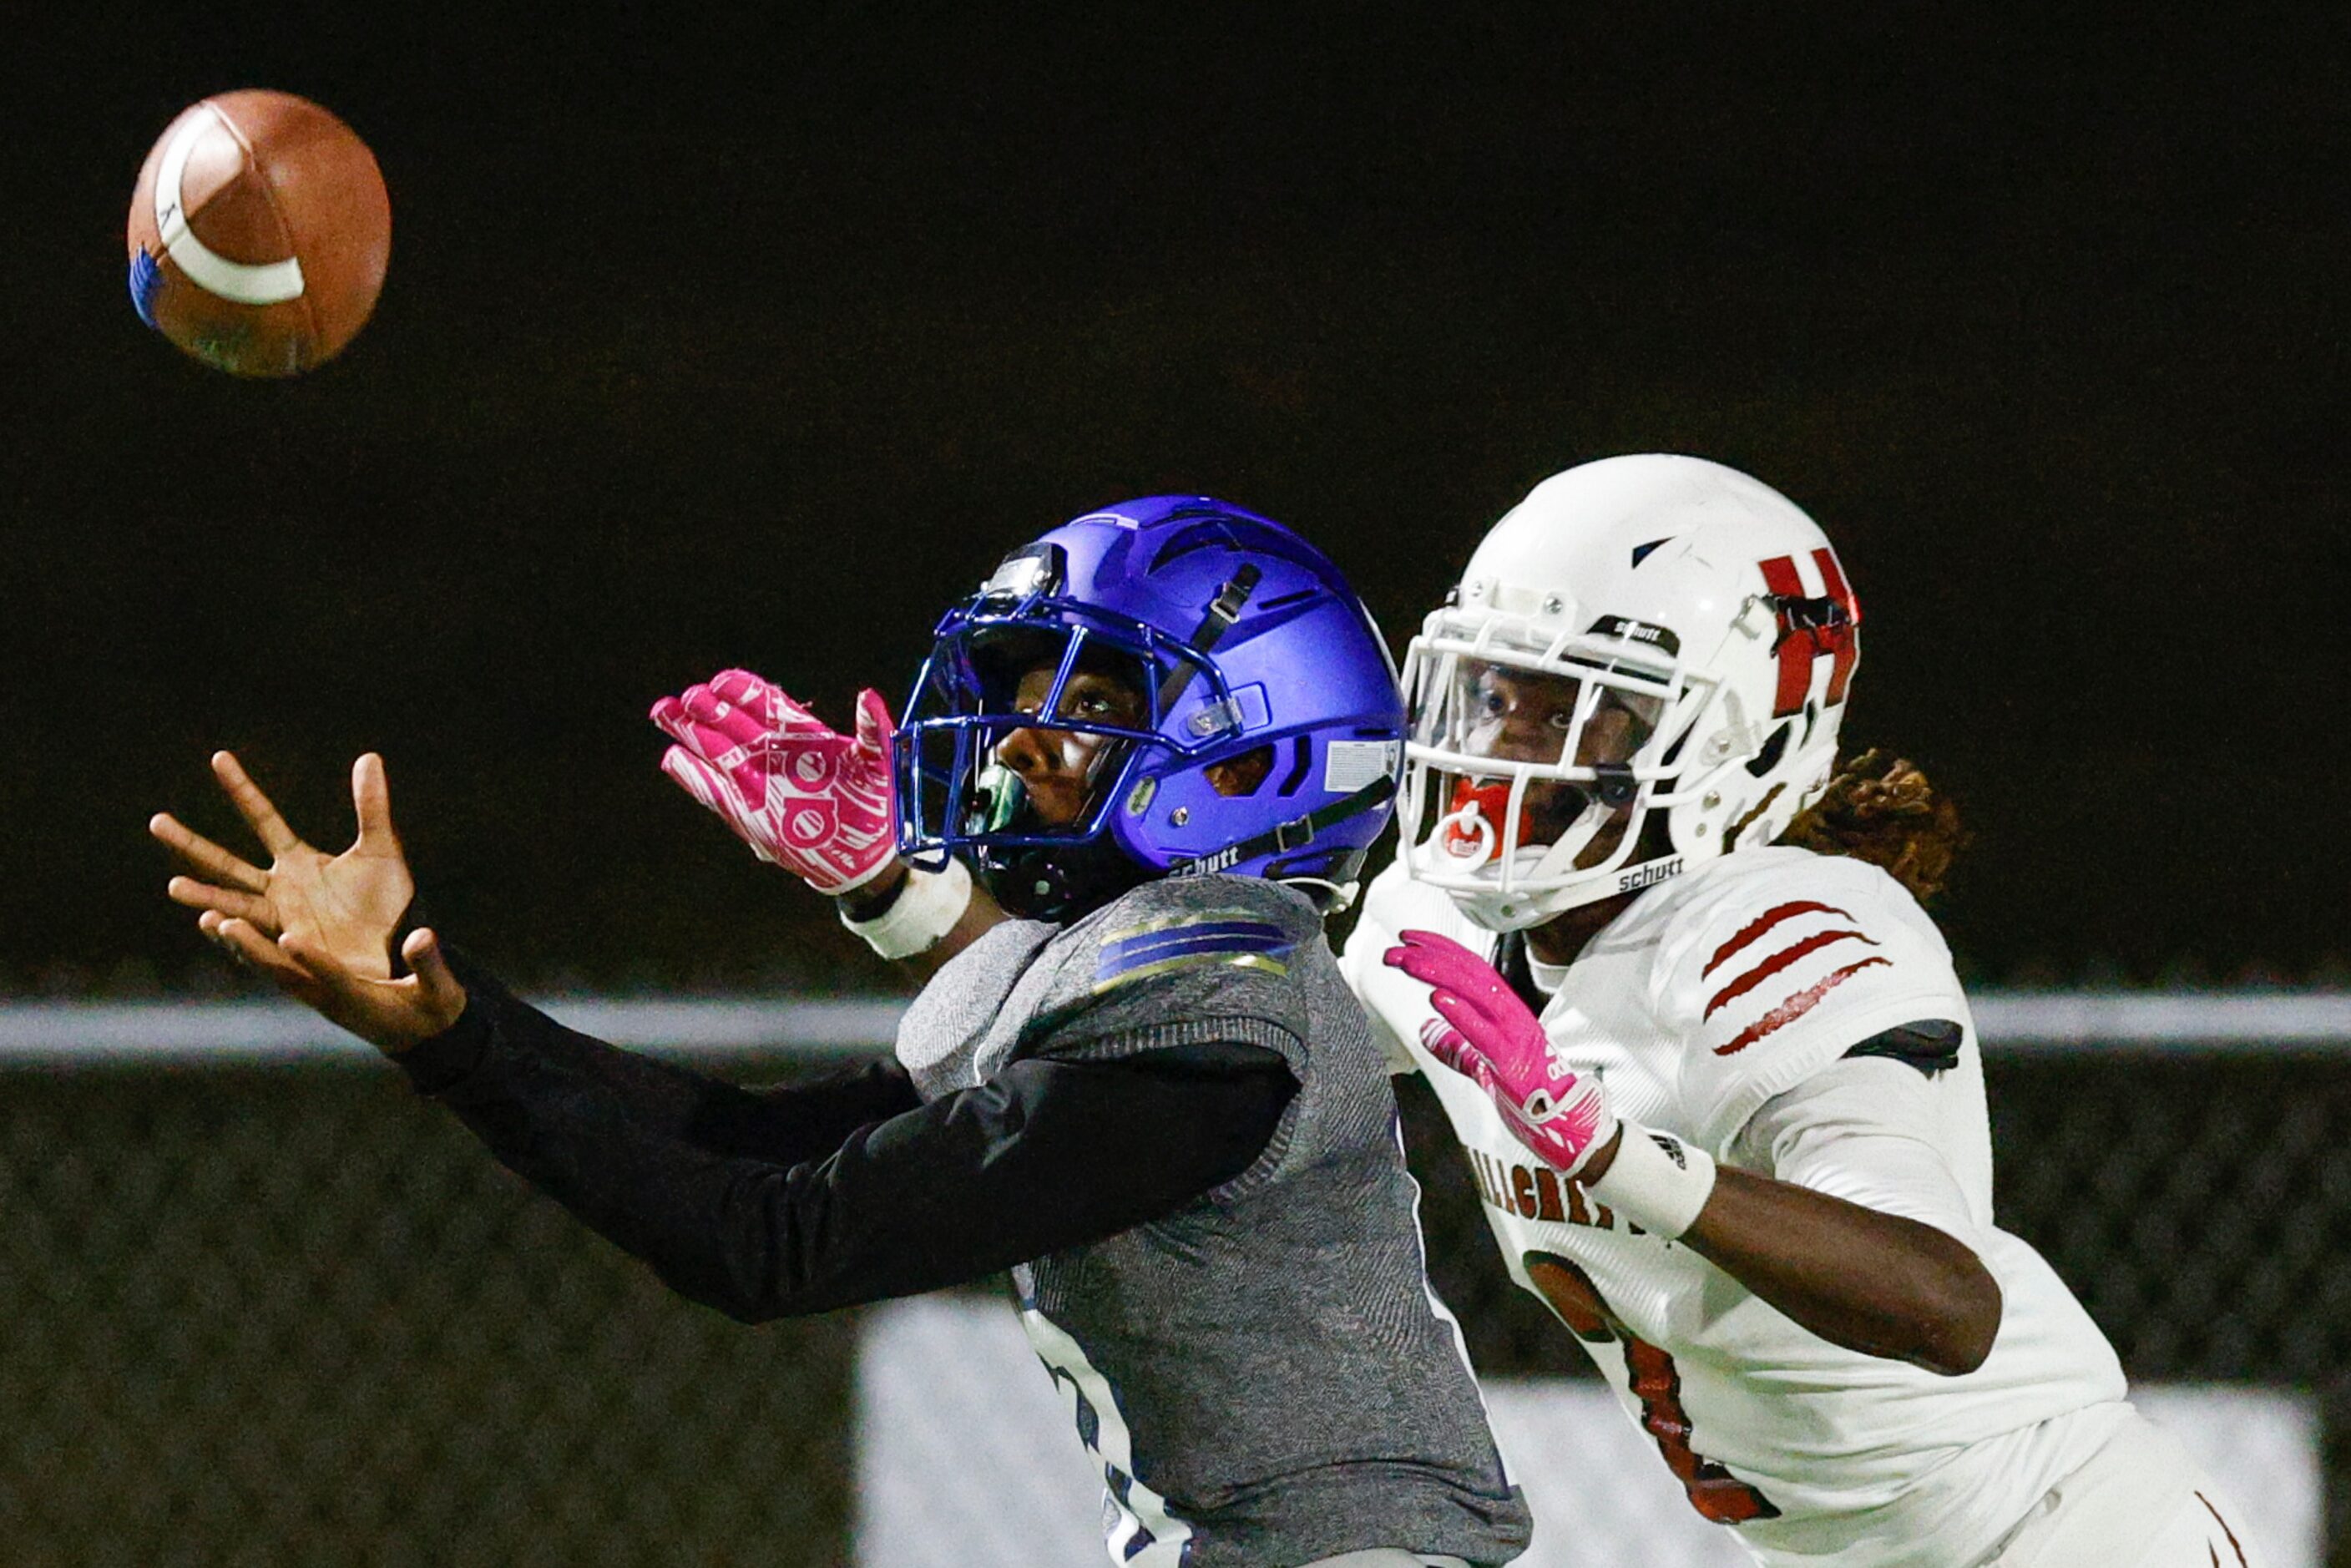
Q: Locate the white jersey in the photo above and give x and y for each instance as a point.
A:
(1712, 997)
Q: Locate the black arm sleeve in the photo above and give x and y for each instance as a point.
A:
(1048, 1156)
(801, 1122)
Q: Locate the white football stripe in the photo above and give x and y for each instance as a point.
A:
(246, 283)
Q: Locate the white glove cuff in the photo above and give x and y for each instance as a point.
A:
(922, 915)
(1657, 1181)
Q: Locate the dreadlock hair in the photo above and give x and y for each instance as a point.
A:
(1888, 814)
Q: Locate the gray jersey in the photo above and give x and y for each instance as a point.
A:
(1264, 1374)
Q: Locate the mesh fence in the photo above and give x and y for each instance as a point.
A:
(294, 1315)
(299, 1317)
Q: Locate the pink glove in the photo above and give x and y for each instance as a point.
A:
(1484, 1032)
(815, 803)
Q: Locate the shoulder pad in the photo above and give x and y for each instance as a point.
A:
(1210, 956)
(1166, 928)
(1773, 975)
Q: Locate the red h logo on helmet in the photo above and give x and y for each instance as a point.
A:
(1810, 628)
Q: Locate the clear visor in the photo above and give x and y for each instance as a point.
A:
(1528, 760)
(1501, 710)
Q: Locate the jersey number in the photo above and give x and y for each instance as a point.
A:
(1657, 1382)
(1143, 1534)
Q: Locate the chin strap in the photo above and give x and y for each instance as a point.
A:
(1558, 858)
(1471, 833)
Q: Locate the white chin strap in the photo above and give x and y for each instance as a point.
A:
(1539, 884)
(1559, 859)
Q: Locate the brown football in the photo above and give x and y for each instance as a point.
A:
(259, 234)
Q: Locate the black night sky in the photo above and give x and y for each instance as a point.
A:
(756, 343)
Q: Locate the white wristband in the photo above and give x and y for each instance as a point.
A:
(1657, 1181)
(922, 915)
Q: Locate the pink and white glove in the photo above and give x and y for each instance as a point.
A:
(821, 804)
(1483, 1031)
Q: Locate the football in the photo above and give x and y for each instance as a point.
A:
(259, 234)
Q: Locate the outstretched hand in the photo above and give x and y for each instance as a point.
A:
(821, 804)
(320, 926)
(1483, 1031)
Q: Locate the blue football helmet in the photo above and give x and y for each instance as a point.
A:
(1221, 698)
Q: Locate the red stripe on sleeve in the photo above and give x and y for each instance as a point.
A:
(1777, 962)
(1792, 1010)
(1762, 923)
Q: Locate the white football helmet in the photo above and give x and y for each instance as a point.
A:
(1642, 635)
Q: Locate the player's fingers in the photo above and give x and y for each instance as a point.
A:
(1481, 980)
(393, 1014)
(704, 705)
(1423, 954)
(209, 925)
(714, 746)
(744, 729)
(874, 727)
(1481, 1073)
(669, 717)
(1441, 961)
(1456, 1050)
(254, 806)
(698, 779)
(768, 702)
(744, 687)
(205, 857)
(1465, 1014)
(719, 730)
(1429, 941)
(327, 974)
(691, 772)
(372, 801)
(444, 994)
(1444, 1042)
(227, 901)
(747, 723)
(375, 1010)
(1490, 1079)
(248, 942)
(715, 708)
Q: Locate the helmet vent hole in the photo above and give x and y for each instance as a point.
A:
(1207, 535)
(1773, 749)
(1243, 775)
(1295, 780)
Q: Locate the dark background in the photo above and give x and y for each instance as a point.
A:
(711, 343)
